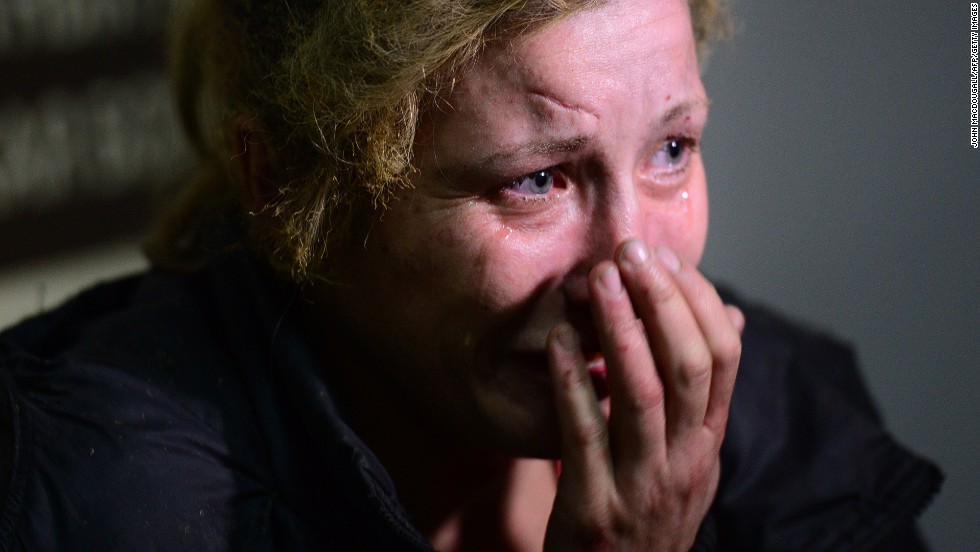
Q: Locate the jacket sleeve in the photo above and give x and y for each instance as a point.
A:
(8, 451)
(905, 539)
(806, 462)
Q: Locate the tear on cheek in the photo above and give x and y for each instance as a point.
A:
(503, 233)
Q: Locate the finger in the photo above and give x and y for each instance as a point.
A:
(680, 352)
(584, 436)
(636, 419)
(737, 317)
(721, 326)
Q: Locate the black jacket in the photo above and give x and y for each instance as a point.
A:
(164, 412)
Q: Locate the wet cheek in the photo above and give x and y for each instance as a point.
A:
(504, 273)
(691, 228)
(518, 265)
(461, 264)
(485, 264)
(680, 224)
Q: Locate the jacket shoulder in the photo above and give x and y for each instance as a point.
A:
(118, 418)
(807, 463)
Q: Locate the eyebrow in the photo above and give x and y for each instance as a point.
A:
(682, 108)
(537, 147)
(575, 143)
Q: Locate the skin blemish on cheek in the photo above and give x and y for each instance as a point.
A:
(446, 237)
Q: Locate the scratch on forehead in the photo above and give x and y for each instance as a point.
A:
(554, 100)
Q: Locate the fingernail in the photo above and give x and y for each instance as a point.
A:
(635, 253)
(566, 337)
(610, 280)
(669, 259)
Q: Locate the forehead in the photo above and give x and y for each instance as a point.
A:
(623, 43)
(624, 58)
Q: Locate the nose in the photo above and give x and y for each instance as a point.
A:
(615, 214)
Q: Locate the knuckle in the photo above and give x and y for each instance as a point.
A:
(598, 537)
(736, 316)
(643, 398)
(590, 433)
(571, 375)
(654, 503)
(702, 479)
(648, 396)
(697, 477)
(700, 465)
(729, 350)
(574, 378)
(627, 337)
(696, 367)
(598, 523)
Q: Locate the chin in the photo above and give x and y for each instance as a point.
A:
(516, 411)
(516, 423)
(541, 440)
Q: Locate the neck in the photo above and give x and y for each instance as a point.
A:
(467, 501)
(460, 499)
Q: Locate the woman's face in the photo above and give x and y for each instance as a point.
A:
(547, 154)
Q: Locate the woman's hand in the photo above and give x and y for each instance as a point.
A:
(645, 480)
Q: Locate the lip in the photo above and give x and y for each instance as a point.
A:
(600, 378)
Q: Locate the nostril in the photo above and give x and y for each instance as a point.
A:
(576, 288)
(588, 337)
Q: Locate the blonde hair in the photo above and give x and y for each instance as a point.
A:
(336, 89)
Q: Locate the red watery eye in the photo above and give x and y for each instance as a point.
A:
(536, 183)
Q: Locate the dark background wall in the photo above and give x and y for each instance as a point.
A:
(845, 192)
(844, 185)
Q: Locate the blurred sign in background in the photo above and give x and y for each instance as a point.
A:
(88, 137)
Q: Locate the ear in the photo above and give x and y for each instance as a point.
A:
(257, 178)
